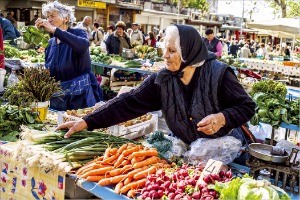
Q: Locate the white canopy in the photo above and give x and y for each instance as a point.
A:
(278, 34)
(282, 25)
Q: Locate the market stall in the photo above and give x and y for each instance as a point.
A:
(286, 68)
(134, 159)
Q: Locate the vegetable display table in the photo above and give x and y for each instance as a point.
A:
(273, 66)
(98, 191)
(108, 193)
(122, 68)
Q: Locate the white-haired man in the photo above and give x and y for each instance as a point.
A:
(136, 35)
(85, 25)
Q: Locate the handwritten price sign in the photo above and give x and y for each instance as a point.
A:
(211, 167)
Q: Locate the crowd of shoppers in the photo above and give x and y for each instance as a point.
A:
(253, 49)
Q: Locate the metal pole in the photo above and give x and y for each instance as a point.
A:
(241, 35)
(178, 10)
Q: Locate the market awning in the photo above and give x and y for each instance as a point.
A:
(129, 6)
(174, 16)
(21, 4)
(233, 28)
(286, 25)
(204, 23)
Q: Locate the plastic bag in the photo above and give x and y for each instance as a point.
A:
(103, 47)
(224, 149)
(288, 146)
(261, 131)
(177, 147)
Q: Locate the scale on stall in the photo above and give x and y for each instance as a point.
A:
(284, 169)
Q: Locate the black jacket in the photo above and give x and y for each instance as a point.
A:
(113, 43)
(234, 103)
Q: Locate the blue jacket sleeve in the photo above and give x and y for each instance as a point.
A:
(8, 30)
(79, 41)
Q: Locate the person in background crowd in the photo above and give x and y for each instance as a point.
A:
(261, 52)
(245, 52)
(151, 41)
(241, 43)
(68, 59)
(129, 31)
(287, 52)
(269, 48)
(136, 35)
(32, 22)
(213, 44)
(85, 25)
(109, 31)
(233, 48)
(10, 17)
(297, 49)
(97, 35)
(224, 47)
(118, 39)
(101, 30)
(277, 50)
(8, 30)
(74, 24)
(199, 96)
(160, 35)
(252, 49)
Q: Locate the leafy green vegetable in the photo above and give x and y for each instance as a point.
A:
(247, 188)
(11, 117)
(97, 56)
(11, 52)
(161, 143)
(133, 64)
(269, 87)
(33, 35)
(274, 109)
(230, 190)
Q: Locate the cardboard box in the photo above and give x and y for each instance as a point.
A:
(20, 182)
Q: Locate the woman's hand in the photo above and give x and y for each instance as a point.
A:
(211, 123)
(43, 23)
(73, 126)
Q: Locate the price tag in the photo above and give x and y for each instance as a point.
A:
(211, 167)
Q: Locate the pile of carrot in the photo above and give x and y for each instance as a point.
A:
(127, 167)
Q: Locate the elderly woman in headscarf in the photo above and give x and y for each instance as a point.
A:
(199, 96)
(68, 59)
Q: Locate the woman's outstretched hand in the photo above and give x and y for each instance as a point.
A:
(211, 123)
(73, 126)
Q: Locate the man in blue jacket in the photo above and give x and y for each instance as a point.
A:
(7, 29)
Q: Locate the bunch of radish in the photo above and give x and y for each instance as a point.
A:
(181, 183)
